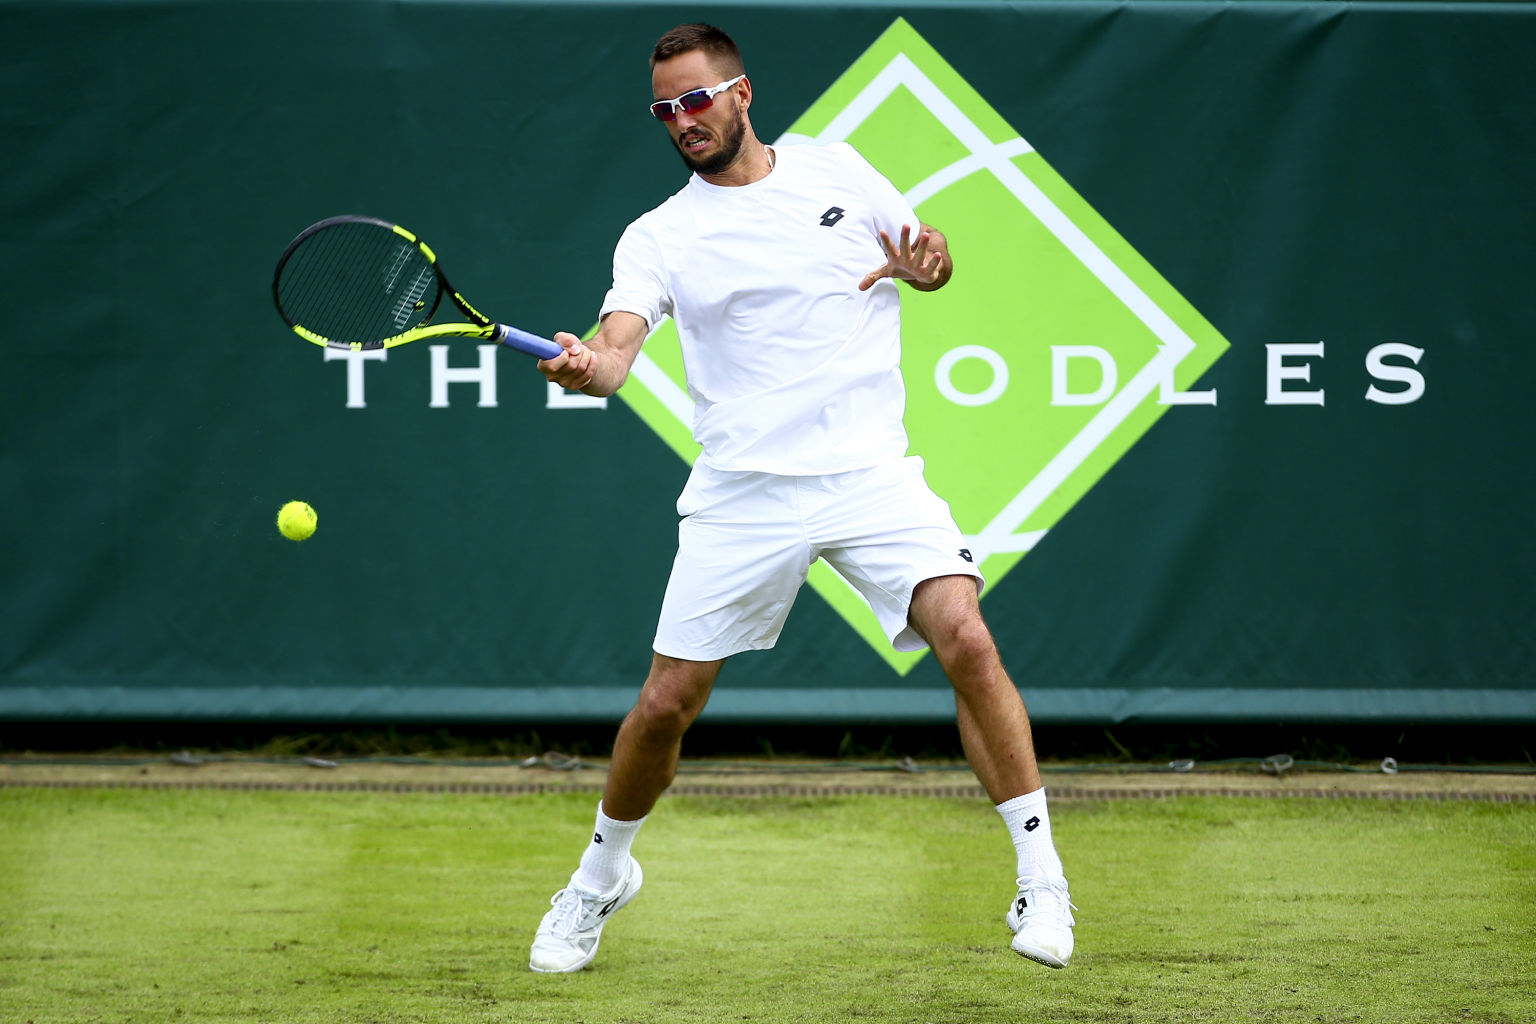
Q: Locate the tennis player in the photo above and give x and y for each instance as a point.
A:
(779, 266)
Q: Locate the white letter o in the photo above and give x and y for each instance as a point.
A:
(946, 366)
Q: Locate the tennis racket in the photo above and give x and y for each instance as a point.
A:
(359, 283)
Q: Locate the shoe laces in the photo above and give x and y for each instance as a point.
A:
(565, 919)
(1047, 892)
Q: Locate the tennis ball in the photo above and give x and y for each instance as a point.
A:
(296, 520)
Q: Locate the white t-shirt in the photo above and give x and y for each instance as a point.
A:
(791, 368)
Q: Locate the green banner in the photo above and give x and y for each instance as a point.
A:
(1225, 392)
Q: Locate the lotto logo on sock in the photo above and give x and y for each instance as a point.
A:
(1031, 824)
(1097, 344)
(597, 837)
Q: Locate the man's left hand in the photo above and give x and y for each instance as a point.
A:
(925, 265)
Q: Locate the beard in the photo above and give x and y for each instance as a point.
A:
(725, 154)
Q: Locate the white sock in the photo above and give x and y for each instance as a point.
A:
(607, 855)
(1030, 826)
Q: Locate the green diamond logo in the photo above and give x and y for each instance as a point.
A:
(1051, 352)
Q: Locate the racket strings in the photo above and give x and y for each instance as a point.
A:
(357, 282)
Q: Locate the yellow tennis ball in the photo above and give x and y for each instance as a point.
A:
(296, 520)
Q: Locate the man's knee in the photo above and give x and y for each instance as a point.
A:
(665, 714)
(673, 695)
(964, 646)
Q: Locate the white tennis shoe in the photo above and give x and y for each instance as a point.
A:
(567, 937)
(1041, 921)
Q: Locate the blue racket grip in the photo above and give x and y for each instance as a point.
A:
(532, 344)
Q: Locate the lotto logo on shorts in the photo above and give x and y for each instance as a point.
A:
(1014, 428)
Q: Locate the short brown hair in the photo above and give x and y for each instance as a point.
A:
(719, 47)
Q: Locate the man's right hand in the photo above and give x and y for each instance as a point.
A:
(574, 368)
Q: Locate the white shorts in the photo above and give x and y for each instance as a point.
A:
(747, 540)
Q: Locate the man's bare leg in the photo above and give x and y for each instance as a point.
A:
(651, 738)
(994, 729)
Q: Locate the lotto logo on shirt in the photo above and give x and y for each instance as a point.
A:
(1053, 350)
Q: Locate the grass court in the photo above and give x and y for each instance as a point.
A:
(123, 905)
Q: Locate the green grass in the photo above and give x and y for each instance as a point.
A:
(332, 908)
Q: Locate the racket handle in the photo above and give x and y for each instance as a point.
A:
(531, 344)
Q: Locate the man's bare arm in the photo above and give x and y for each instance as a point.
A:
(600, 365)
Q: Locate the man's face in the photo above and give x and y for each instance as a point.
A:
(709, 140)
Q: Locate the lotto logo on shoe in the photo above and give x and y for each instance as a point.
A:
(1014, 425)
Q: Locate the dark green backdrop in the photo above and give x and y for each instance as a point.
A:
(1347, 174)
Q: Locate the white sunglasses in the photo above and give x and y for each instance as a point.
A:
(691, 102)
